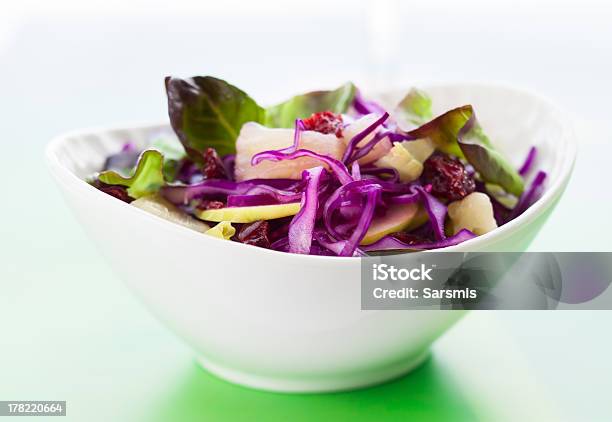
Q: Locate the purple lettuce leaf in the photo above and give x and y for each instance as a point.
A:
(209, 112)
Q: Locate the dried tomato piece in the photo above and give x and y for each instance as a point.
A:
(118, 191)
(206, 204)
(325, 122)
(213, 167)
(447, 177)
(255, 234)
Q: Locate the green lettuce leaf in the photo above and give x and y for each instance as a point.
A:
(443, 130)
(415, 107)
(457, 132)
(147, 178)
(489, 163)
(302, 106)
(173, 153)
(208, 112)
(169, 146)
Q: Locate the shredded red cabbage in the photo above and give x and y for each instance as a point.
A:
(182, 194)
(270, 198)
(352, 145)
(339, 169)
(281, 244)
(298, 128)
(363, 106)
(407, 198)
(372, 197)
(391, 135)
(341, 198)
(528, 163)
(377, 172)
(335, 246)
(356, 171)
(388, 243)
(530, 196)
(302, 225)
(436, 211)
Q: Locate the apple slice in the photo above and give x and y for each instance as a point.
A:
(157, 205)
(255, 138)
(397, 218)
(249, 214)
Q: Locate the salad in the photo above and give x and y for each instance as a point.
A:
(323, 173)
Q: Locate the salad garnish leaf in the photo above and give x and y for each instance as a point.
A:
(457, 132)
(209, 112)
(415, 107)
(302, 106)
(443, 130)
(488, 162)
(174, 154)
(146, 179)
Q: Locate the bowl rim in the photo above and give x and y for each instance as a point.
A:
(65, 176)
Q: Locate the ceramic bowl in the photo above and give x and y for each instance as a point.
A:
(285, 322)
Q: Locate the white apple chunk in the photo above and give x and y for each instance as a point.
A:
(255, 138)
(421, 149)
(398, 158)
(474, 212)
(407, 158)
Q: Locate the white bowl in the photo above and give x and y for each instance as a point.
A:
(287, 322)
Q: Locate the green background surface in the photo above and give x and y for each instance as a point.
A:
(70, 330)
